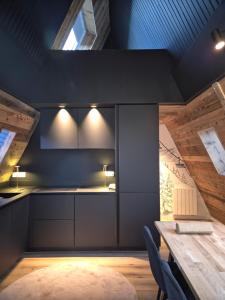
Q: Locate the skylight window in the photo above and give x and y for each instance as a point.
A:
(76, 34)
(78, 31)
(214, 148)
(6, 138)
(71, 42)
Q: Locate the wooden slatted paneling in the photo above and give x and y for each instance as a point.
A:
(184, 122)
(21, 119)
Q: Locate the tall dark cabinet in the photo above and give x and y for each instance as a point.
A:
(13, 233)
(138, 169)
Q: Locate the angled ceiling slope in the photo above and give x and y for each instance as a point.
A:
(170, 24)
(20, 119)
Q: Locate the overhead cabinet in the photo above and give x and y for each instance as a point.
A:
(96, 128)
(77, 128)
(59, 129)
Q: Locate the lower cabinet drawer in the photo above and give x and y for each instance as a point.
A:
(95, 221)
(52, 235)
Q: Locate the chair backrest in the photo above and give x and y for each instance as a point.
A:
(154, 259)
(174, 291)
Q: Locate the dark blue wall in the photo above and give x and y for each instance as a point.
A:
(112, 76)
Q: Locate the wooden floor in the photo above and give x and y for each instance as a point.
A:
(133, 265)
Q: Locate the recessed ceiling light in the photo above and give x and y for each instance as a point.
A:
(93, 106)
(62, 106)
(220, 45)
(218, 39)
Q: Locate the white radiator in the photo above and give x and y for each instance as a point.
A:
(185, 202)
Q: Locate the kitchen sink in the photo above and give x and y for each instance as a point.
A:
(8, 195)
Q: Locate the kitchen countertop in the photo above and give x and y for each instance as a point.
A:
(73, 190)
(25, 191)
(22, 192)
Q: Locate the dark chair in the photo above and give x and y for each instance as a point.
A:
(155, 261)
(174, 291)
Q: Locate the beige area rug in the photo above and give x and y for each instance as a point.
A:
(71, 281)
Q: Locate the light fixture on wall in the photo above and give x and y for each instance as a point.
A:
(218, 38)
(107, 173)
(17, 174)
(180, 162)
(62, 106)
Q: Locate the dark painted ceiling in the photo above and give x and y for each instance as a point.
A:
(159, 24)
(34, 23)
(183, 27)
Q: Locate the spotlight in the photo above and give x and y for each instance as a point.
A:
(62, 106)
(93, 106)
(218, 39)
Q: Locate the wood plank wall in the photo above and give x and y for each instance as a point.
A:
(205, 111)
(20, 118)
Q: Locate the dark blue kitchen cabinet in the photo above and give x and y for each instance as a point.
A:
(52, 235)
(96, 128)
(13, 233)
(82, 128)
(20, 212)
(59, 129)
(73, 221)
(137, 210)
(52, 206)
(138, 148)
(138, 169)
(51, 222)
(95, 221)
(6, 257)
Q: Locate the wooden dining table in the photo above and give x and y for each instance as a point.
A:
(200, 258)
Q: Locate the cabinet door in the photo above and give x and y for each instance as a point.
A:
(6, 255)
(19, 227)
(54, 206)
(95, 221)
(52, 235)
(137, 210)
(96, 128)
(138, 149)
(59, 129)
